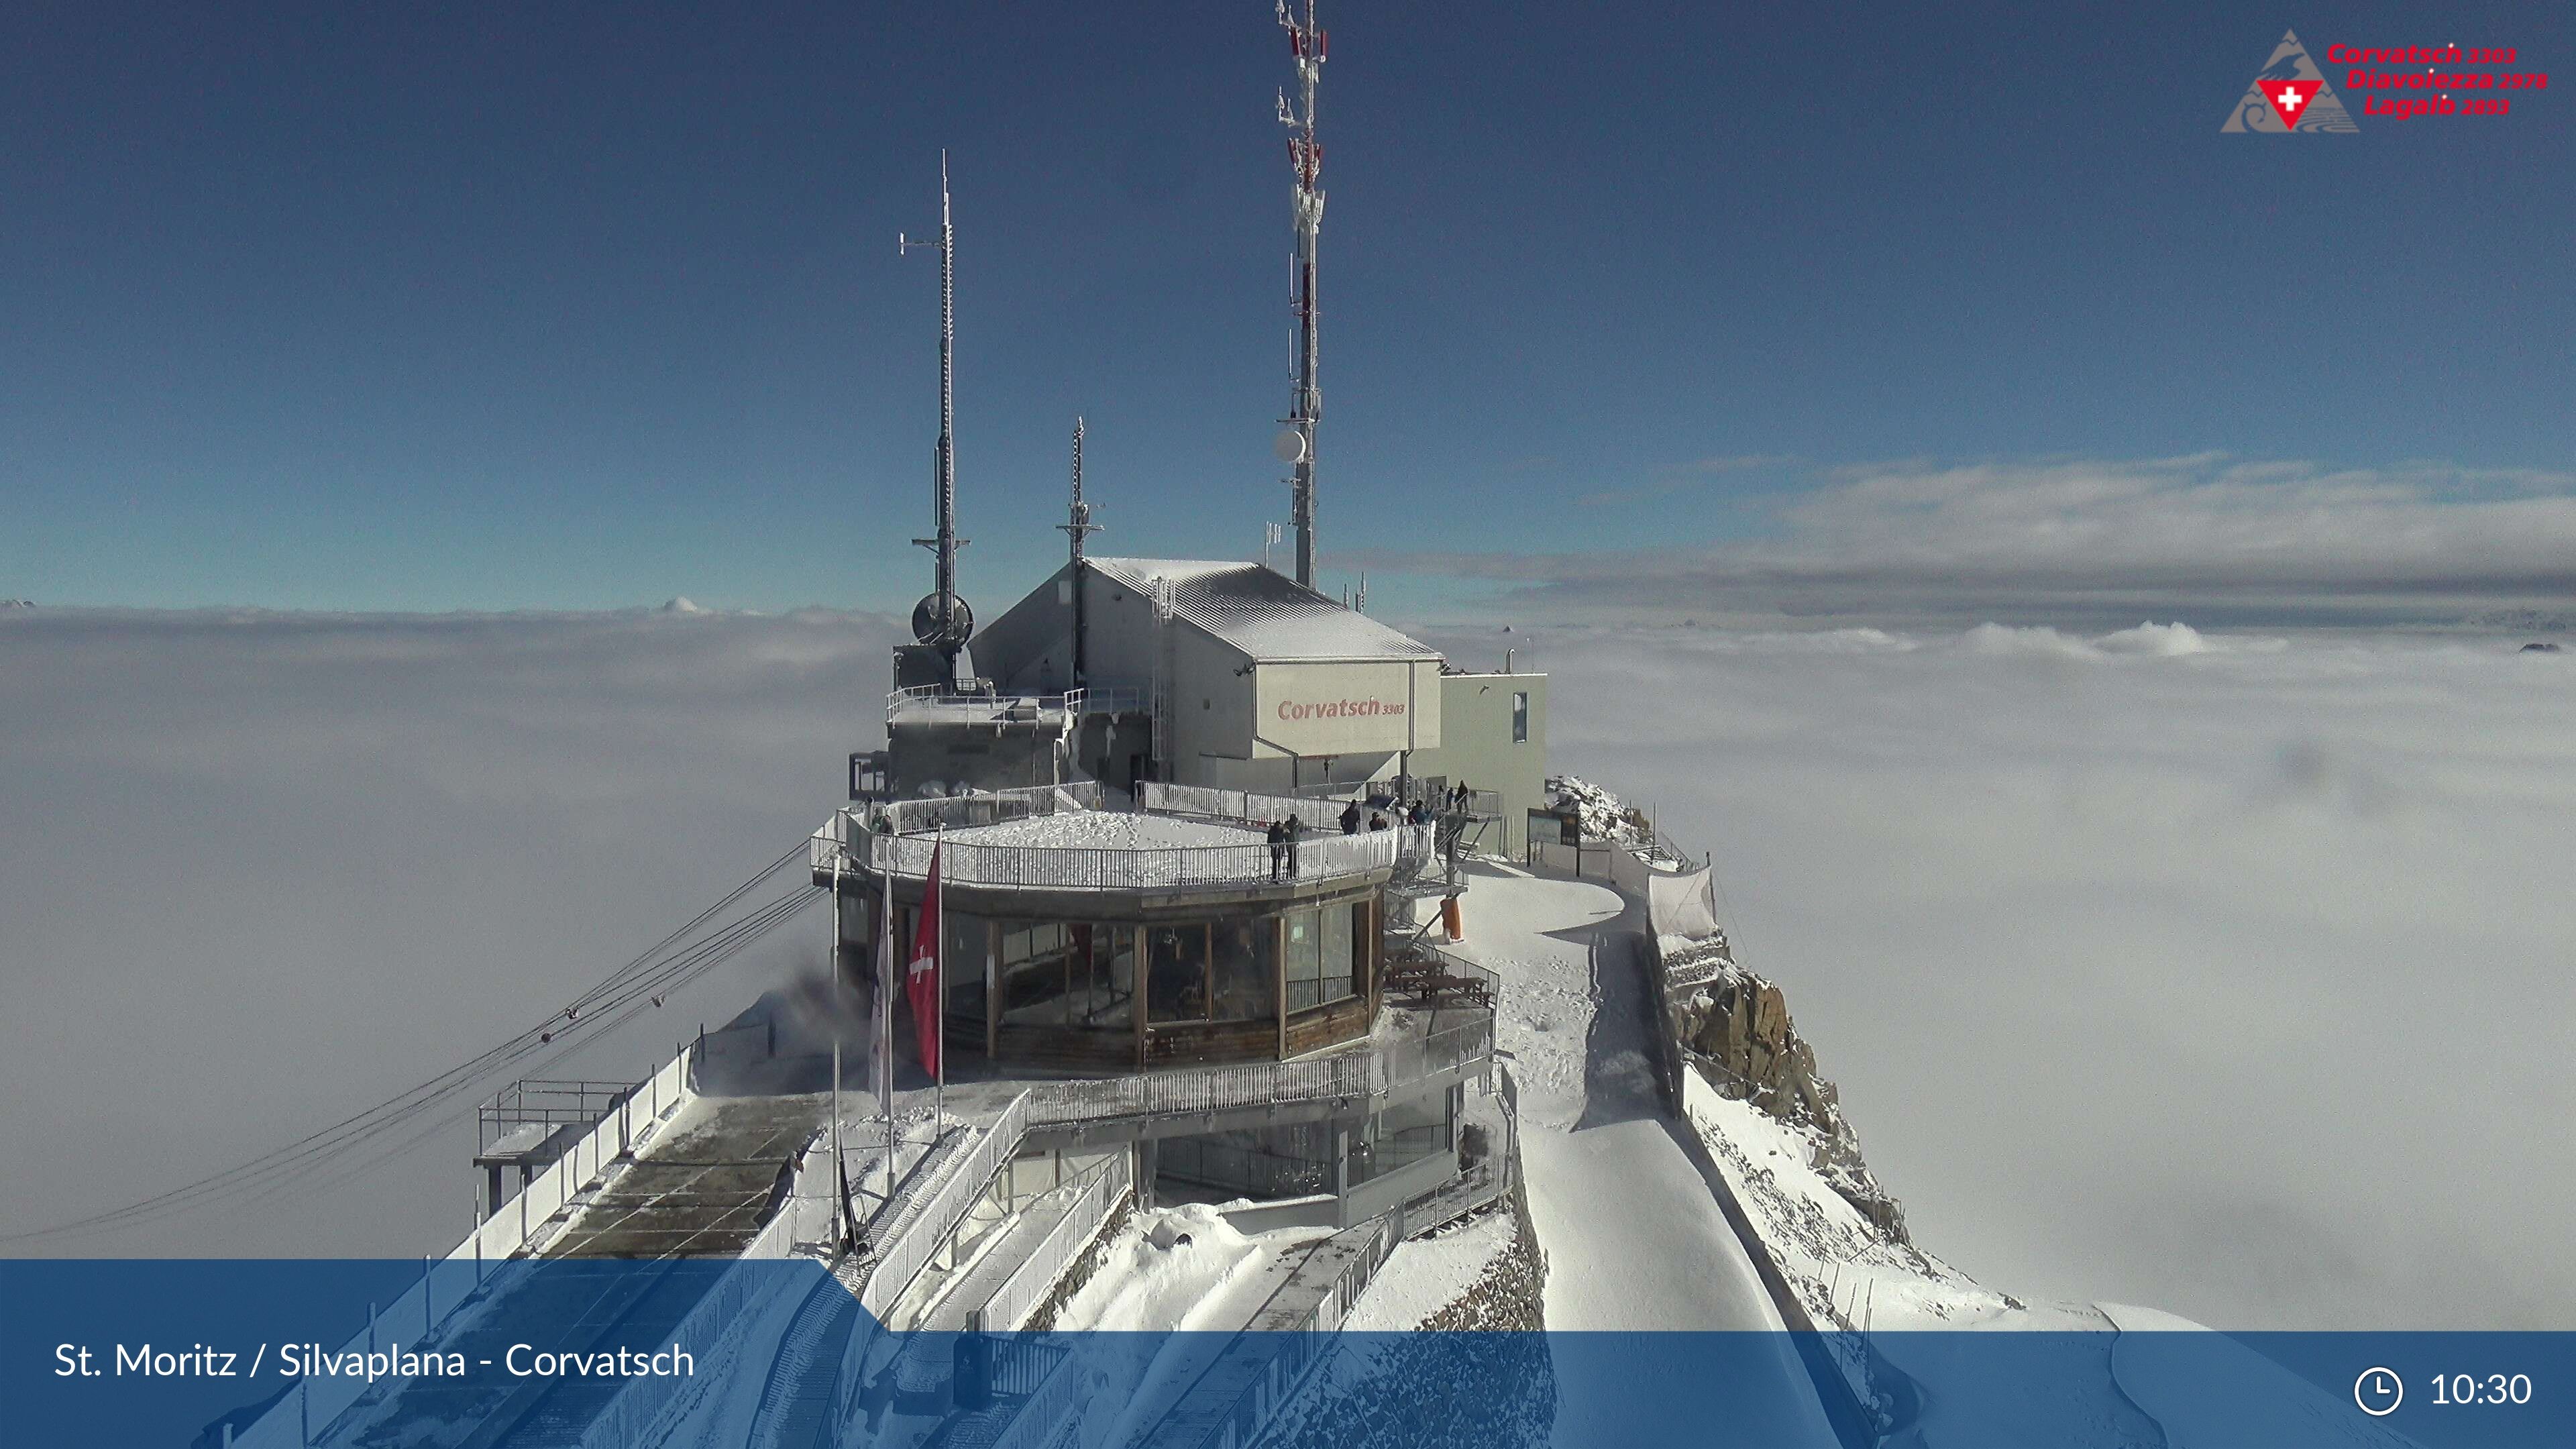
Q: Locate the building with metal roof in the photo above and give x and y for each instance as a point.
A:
(1215, 673)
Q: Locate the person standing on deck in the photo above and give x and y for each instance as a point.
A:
(1293, 827)
(1351, 818)
(1278, 835)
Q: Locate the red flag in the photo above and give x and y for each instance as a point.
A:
(922, 983)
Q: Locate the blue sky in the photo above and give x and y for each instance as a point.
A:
(367, 308)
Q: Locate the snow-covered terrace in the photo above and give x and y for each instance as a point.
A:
(1055, 838)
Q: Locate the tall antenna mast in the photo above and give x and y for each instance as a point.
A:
(1306, 160)
(942, 620)
(1078, 525)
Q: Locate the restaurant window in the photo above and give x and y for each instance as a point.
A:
(1176, 980)
(1037, 979)
(1318, 961)
(961, 965)
(1101, 976)
(1240, 974)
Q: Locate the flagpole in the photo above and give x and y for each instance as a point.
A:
(939, 1000)
(885, 1016)
(840, 1166)
(840, 1170)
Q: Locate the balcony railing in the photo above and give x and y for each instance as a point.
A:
(1123, 868)
(986, 807)
(1416, 845)
(895, 838)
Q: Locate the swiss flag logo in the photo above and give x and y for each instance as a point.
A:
(2290, 99)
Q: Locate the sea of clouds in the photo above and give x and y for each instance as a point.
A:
(2231, 974)
(2224, 972)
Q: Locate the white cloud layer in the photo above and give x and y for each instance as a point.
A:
(2215, 539)
(261, 871)
(2223, 973)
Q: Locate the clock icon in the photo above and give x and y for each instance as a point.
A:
(2378, 1392)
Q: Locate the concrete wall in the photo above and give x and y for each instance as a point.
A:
(1476, 746)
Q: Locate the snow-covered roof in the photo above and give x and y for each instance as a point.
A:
(1263, 612)
(1107, 830)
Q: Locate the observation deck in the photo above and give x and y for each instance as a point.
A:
(1181, 844)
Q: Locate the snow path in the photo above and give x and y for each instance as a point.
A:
(1633, 1234)
(1634, 1237)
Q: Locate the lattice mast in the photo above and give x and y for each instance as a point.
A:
(1306, 161)
(942, 619)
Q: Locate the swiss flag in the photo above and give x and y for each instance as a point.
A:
(921, 983)
(2290, 99)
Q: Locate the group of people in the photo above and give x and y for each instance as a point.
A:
(1283, 845)
(1283, 834)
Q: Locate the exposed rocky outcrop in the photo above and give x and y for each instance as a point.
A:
(1735, 1031)
(1507, 1296)
(1478, 1373)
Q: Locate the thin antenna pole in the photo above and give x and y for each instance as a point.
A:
(944, 625)
(1306, 160)
(1077, 527)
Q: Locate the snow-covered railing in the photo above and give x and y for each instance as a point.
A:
(1287, 1349)
(1249, 806)
(1112, 867)
(1020, 1294)
(983, 807)
(917, 1232)
(1207, 1089)
(415, 1316)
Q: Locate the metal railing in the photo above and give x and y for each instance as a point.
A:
(1114, 699)
(1249, 806)
(1110, 867)
(1072, 701)
(415, 1316)
(1256, 809)
(1204, 1090)
(546, 1104)
(1060, 1394)
(925, 1222)
(984, 807)
(1030, 1282)
(714, 1325)
(1466, 1042)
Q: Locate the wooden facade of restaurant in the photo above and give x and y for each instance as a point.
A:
(981, 1033)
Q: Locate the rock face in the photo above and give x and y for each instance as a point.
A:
(1736, 1032)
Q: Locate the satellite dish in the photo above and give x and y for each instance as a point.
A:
(1290, 445)
(942, 620)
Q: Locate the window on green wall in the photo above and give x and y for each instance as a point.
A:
(1520, 717)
